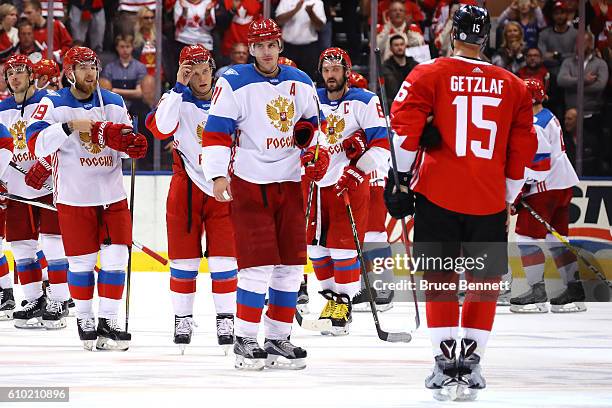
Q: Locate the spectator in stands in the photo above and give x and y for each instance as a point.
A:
(602, 23)
(125, 73)
(87, 19)
(128, 14)
(239, 55)
(8, 32)
(194, 21)
(411, 8)
(59, 7)
(62, 40)
(511, 54)
(590, 166)
(534, 67)
(4, 91)
(558, 41)
(528, 15)
(396, 21)
(243, 12)
(25, 33)
(301, 20)
(397, 67)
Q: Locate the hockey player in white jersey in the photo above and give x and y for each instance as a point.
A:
(87, 131)
(191, 208)
(263, 115)
(7, 299)
(25, 223)
(356, 135)
(549, 193)
(47, 75)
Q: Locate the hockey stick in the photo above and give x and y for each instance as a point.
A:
(383, 101)
(577, 252)
(24, 172)
(399, 337)
(129, 265)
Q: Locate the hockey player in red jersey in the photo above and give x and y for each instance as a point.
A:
(548, 191)
(88, 132)
(264, 117)
(356, 135)
(25, 224)
(191, 209)
(464, 186)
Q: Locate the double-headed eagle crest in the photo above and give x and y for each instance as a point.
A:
(88, 145)
(200, 131)
(335, 127)
(281, 111)
(18, 131)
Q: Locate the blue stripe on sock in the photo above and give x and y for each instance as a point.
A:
(28, 266)
(3, 260)
(116, 278)
(282, 298)
(251, 299)
(180, 274)
(224, 275)
(348, 267)
(83, 279)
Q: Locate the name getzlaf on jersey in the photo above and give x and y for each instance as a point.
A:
(15, 117)
(357, 109)
(78, 161)
(484, 117)
(260, 113)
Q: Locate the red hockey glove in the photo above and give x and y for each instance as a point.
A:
(38, 173)
(138, 149)
(3, 200)
(303, 132)
(350, 180)
(315, 170)
(355, 145)
(517, 205)
(117, 136)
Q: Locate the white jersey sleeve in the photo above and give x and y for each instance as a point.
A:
(539, 168)
(372, 120)
(6, 148)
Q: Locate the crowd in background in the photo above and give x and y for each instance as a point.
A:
(531, 38)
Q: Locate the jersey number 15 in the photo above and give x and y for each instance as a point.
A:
(478, 103)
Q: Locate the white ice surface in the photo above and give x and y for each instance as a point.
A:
(532, 361)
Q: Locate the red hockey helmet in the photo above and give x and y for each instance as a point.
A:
(263, 30)
(356, 80)
(17, 61)
(79, 55)
(286, 61)
(48, 68)
(536, 90)
(335, 55)
(197, 54)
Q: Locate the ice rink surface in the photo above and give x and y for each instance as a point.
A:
(548, 361)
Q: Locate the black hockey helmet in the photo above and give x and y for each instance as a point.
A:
(471, 24)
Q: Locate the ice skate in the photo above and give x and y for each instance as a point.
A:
(87, 332)
(341, 317)
(361, 301)
(532, 301)
(443, 380)
(506, 293)
(383, 300)
(323, 323)
(571, 300)
(284, 355)
(470, 379)
(225, 331)
(30, 317)
(7, 304)
(111, 337)
(249, 356)
(302, 300)
(183, 329)
(54, 315)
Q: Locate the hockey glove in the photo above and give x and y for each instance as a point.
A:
(3, 200)
(355, 145)
(350, 180)
(138, 149)
(399, 201)
(517, 205)
(117, 136)
(303, 132)
(315, 170)
(38, 173)
(431, 137)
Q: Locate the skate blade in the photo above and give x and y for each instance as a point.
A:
(362, 307)
(6, 315)
(282, 363)
(106, 344)
(384, 307)
(55, 324)
(182, 348)
(532, 308)
(34, 323)
(320, 325)
(302, 308)
(225, 348)
(340, 331)
(465, 393)
(574, 307)
(249, 364)
(88, 345)
(503, 300)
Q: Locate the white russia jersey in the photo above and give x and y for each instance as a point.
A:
(15, 117)
(357, 109)
(183, 116)
(259, 114)
(562, 174)
(85, 173)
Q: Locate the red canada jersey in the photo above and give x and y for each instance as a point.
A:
(484, 115)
